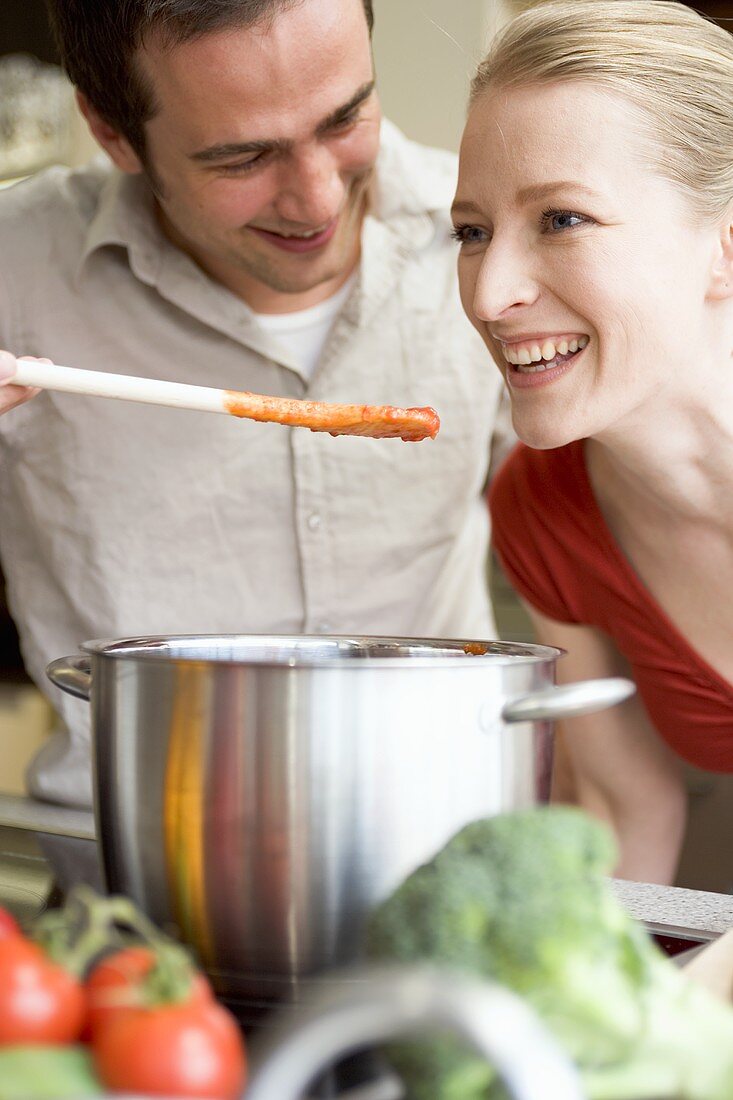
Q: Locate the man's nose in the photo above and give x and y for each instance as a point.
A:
(313, 190)
(505, 282)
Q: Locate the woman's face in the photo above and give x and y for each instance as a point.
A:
(583, 269)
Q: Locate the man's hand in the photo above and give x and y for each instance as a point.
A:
(11, 395)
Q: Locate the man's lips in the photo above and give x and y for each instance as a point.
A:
(295, 243)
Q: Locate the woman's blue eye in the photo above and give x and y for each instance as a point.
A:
(468, 234)
(557, 220)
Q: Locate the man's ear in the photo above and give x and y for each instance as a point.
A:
(721, 275)
(116, 146)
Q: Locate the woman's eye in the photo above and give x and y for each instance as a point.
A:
(468, 234)
(557, 220)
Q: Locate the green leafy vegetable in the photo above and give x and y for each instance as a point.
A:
(47, 1073)
(523, 899)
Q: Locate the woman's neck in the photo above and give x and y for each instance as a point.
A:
(676, 462)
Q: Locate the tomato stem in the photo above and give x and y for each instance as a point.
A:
(89, 927)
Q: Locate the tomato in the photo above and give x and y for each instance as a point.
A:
(8, 925)
(181, 1050)
(116, 985)
(40, 1002)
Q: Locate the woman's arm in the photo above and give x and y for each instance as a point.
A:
(614, 764)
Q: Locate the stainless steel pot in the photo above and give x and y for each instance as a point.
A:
(263, 793)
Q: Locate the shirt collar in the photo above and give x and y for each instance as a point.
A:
(126, 217)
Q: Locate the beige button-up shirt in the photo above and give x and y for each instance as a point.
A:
(118, 519)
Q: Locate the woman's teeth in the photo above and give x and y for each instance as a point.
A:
(530, 358)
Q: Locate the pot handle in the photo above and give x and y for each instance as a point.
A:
(568, 700)
(72, 674)
(366, 1006)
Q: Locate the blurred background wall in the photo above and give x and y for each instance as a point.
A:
(426, 52)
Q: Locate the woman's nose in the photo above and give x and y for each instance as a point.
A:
(505, 282)
(313, 190)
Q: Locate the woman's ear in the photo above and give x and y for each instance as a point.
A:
(117, 147)
(721, 275)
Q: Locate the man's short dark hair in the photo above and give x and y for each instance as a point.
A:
(97, 40)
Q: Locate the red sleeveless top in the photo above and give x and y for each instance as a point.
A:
(559, 554)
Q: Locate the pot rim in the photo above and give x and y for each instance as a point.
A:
(310, 651)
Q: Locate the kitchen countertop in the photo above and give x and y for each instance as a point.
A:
(674, 909)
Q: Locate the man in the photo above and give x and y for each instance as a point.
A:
(254, 233)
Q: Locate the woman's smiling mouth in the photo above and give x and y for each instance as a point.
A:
(533, 355)
(546, 357)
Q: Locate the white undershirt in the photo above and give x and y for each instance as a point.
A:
(303, 334)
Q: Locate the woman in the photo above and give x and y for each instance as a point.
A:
(595, 217)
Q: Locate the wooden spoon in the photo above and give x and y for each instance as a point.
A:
(376, 421)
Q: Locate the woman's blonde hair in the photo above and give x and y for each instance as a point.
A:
(660, 55)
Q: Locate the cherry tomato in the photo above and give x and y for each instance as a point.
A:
(181, 1050)
(116, 986)
(8, 925)
(40, 1002)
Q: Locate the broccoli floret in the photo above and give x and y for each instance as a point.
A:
(524, 899)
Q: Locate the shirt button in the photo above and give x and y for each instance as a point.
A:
(314, 521)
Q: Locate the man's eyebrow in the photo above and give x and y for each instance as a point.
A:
(229, 149)
(342, 113)
(236, 149)
(541, 190)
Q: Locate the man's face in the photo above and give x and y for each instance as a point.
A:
(263, 146)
